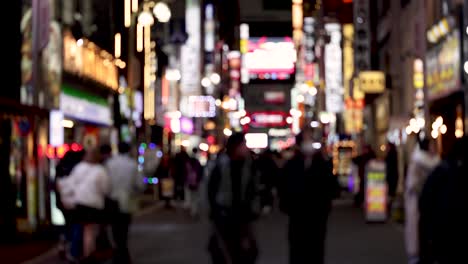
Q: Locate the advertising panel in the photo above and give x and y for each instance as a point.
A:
(191, 50)
(376, 192)
(83, 106)
(268, 119)
(274, 97)
(41, 34)
(270, 58)
(443, 67)
(256, 140)
(333, 70)
(86, 59)
(56, 132)
(372, 81)
(362, 40)
(200, 106)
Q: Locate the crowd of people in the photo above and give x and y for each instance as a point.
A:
(97, 192)
(237, 186)
(436, 201)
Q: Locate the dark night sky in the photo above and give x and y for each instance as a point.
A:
(109, 19)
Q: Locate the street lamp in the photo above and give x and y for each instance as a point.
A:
(215, 78)
(162, 12)
(145, 18)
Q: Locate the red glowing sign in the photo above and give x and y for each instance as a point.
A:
(164, 90)
(211, 140)
(60, 151)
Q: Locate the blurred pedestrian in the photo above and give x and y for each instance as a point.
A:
(126, 185)
(234, 205)
(88, 185)
(180, 165)
(164, 175)
(70, 246)
(444, 209)
(103, 242)
(361, 162)
(423, 161)
(307, 189)
(268, 179)
(194, 178)
(391, 167)
(106, 152)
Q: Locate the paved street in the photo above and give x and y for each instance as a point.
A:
(170, 237)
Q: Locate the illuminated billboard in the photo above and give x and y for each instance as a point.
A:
(270, 58)
(268, 119)
(256, 140)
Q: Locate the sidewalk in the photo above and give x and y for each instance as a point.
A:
(49, 255)
(171, 237)
(23, 251)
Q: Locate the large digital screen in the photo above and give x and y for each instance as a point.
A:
(270, 58)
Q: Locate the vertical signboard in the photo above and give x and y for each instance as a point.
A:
(309, 41)
(234, 58)
(333, 70)
(209, 28)
(244, 49)
(56, 137)
(190, 52)
(376, 192)
(362, 39)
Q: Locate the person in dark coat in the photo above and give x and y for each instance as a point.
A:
(234, 205)
(163, 173)
(269, 177)
(444, 210)
(180, 165)
(194, 178)
(361, 162)
(307, 189)
(391, 162)
(71, 230)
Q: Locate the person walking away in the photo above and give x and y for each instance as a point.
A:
(234, 204)
(307, 188)
(106, 152)
(125, 186)
(423, 161)
(269, 174)
(181, 160)
(194, 178)
(444, 209)
(104, 242)
(89, 184)
(391, 175)
(166, 186)
(361, 162)
(69, 247)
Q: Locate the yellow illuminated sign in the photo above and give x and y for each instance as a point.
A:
(348, 58)
(372, 81)
(418, 74)
(84, 58)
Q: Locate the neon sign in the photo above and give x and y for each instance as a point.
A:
(271, 58)
(60, 151)
(268, 119)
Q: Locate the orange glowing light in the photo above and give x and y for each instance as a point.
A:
(50, 152)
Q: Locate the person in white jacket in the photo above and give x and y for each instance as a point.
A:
(126, 185)
(423, 161)
(90, 184)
